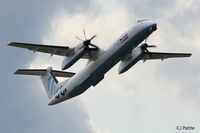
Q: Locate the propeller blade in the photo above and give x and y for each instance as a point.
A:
(151, 46)
(84, 34)
(78, 38)
(145, 46)
(94, 46)
(93, 37)
(145, 40)
(147, 50)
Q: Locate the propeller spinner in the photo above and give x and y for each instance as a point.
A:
(145, 45)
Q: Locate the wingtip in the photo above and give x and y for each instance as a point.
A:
(16, 72)
(11, 43)
(188, 55)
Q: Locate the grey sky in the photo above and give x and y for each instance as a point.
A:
(27, 21)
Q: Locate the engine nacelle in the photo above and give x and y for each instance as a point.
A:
(130, 60)
(70, 60)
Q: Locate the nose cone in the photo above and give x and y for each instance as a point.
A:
(154, 27)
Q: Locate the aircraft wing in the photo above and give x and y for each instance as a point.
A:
(53, 50)
(50, 49)
(163, 55)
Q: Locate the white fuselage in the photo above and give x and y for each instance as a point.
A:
(94, 72)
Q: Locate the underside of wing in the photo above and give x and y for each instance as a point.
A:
(163, 55)
(39, 72)
(53, 50)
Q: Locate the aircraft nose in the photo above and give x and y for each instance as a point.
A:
(153, 27)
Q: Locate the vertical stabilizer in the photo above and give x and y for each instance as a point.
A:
(50, 83)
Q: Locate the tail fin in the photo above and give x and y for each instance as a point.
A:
(48, 78)
(50, 83)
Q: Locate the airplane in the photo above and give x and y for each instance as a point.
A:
(128, 49)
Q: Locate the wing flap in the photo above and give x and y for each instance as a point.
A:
(39, 72)
(57, 50)
(163, 55)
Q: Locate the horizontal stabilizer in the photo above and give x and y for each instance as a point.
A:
(39, 72)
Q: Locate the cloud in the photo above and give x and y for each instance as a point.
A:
(155, 95)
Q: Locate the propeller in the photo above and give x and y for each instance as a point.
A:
(87, 42)
(145, 45)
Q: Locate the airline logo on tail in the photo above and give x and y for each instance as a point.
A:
(52, 87)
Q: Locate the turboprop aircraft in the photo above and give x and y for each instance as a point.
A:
(128, 49)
